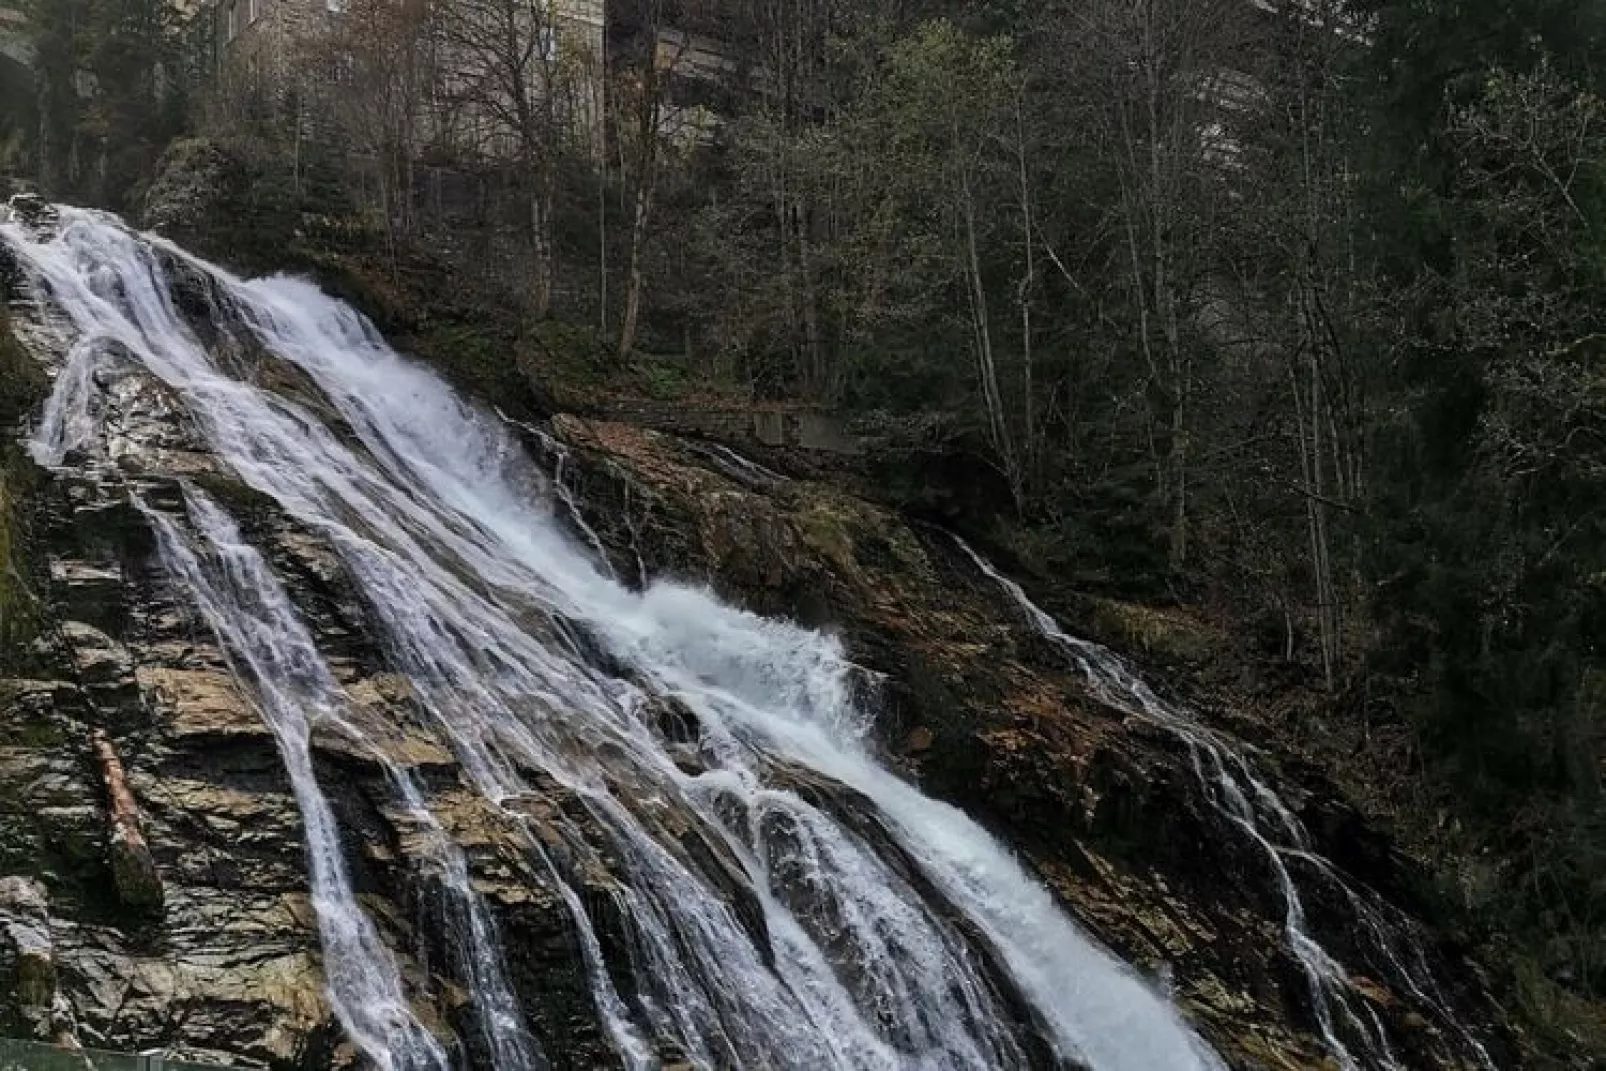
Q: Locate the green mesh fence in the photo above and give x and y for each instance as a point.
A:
(31, 1056)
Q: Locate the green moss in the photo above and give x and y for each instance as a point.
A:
(576, 369)
(23, 384)
(479, 358)
(239, 498)
(7, 566)
(356, 278)
(19, 609)
(233, 202)
(828, 533)
(23, 387)
(21, 727)
(1561, 1020)
(663, 381)
(39, 736)
(566, 365)
(1169, 635)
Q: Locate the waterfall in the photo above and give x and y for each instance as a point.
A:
(1237, 791)
(241, 599)
(835, 917)
(557, 455)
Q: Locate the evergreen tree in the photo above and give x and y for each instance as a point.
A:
(110, 97)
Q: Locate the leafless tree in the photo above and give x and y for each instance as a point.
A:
(515, 99)
(1149, 73)
(366, 83)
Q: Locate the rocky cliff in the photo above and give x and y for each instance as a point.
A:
(153, 887)
(207, 942)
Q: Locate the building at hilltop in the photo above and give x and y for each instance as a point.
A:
(461, 103)
(590, 38)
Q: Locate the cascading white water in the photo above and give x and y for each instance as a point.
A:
(503, 1030)
(855, 960)
(558, 456)
(742, 470)
(1240, 793)
(241, 599)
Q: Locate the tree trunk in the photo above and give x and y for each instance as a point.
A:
(649, 129)
(813, 338)
(992, 397)
(635, 282)
(1028, 284)
(602, 211)
(1308, 420)
(542, 196)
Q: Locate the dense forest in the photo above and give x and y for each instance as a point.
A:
(1294, 311)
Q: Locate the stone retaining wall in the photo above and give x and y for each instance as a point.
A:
(776, 427)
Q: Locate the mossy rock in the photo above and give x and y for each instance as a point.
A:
(244, 502)
(480, 358)
(1168, 635)
(23, 384)
(828, 533)
(566, 366)
(229, 201)
(20, 611)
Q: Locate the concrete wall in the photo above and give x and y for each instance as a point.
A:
(14, 41)
(775, 427)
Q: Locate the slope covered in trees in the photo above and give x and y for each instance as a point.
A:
(1295, 311)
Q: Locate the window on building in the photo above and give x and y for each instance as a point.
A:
(231, 22)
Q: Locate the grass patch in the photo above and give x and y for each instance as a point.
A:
(1561, 1020)
(566, 365)
(662, 381)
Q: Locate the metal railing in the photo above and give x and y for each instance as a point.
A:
(32, 1056)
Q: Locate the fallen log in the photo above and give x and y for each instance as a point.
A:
(139, 886)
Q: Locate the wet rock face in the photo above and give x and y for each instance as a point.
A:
(982, 713)
(174, 892)
(153, 888)
(28, 956)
